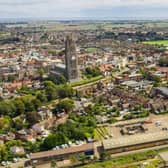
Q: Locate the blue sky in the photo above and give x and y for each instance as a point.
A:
(96, 9)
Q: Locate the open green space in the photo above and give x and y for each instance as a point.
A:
(86, 81)
(91, 49)
(100, 133)
(157, 42)
(131, 159)
(4, 34)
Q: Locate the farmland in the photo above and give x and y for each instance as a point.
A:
(157, 42)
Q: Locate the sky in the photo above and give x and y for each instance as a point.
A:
(93, 9)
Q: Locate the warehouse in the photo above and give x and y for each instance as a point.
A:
(61, 154)
(135, 142)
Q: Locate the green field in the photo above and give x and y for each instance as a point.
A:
(4, 34)
(132, 160)
(91, 49)
(157, 42)
(86, 81)
(101, 133)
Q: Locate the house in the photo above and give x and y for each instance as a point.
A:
(17, 150)
(160, 91)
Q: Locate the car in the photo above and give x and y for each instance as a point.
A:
(164, 129)
(15, 160)
(158, 123)
(54, 149)
(3, 163)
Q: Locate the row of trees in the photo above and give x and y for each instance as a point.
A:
(29, 103)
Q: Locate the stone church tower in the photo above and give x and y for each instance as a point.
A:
(71, 59)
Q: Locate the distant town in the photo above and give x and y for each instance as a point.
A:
(84, 94)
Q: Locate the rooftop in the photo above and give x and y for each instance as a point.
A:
(164, 156)
(134, 140)
(81, 148)
(164, 90)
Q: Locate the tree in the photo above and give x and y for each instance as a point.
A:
(65, 104)
(7, 108)
(41, 72)
(5, 123)
(27, 100)
(19, 124)
(53, 164)
(20, 107)
(104, 156)
(83, 158)
(92, 72)
(65, 91)
(41, 95)
(50, 89)
(58, 80)
(32, 118)
(54, 139)
(36, 102)
(163, 61)
(3, 153)
(13, 143)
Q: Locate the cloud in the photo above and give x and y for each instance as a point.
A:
(78, 8)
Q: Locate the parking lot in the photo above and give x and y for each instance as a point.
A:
(152, 124)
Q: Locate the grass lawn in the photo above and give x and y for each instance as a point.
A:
(86, 81)
(157, 42)
(127, 160)
(91, 49)
(100, 133)
(4, 35)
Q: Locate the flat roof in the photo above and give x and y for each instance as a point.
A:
(164, 90)
(59, 65)
(134, 140)
(70, 150)
(164, 156)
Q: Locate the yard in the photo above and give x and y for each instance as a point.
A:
(157, 42)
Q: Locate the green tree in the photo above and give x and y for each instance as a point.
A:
(65, 104)
(65, 91)
(19, 124)
(53, 164)
(163, 61)
(41, 95)
(104, 156)
(3, 153)
(54, 139)
(5, 123)
(92, 72)
(32, 118)
(41, 73)
(20, 107)
(7, 108)
(36, 103)
(50, 89)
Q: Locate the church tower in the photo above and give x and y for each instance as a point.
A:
(71, 59)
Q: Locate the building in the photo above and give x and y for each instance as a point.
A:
(162, 91)
(60, 154)
(70, 68)
(135, 142)
(71, 59)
